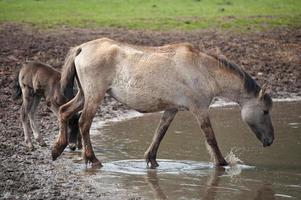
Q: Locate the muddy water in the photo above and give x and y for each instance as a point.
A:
(185, 171)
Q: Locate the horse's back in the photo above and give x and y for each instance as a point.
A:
(38, 76)
(145, 78)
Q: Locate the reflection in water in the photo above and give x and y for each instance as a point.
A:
(212, 183)
(265, 193)
(212, 186)
(152, 179)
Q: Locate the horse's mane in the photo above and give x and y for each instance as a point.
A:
(249, 84)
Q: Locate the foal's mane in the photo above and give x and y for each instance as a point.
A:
(249, 84)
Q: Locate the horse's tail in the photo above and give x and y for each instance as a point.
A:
(16, 89)
(69, 72)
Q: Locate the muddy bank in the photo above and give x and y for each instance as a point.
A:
(272, 56)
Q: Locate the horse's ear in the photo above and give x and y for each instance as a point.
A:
(263, 91)
(215, 52)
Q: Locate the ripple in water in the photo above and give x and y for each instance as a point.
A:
(138, 167)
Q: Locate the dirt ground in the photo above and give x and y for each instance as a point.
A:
(272, 56)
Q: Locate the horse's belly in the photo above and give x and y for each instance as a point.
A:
(142, 99)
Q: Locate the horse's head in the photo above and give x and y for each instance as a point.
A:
(256, 113)
(74, 132)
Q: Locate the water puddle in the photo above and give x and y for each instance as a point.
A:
(185, 170)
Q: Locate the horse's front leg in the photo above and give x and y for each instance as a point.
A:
(151, 153)
(211, 143)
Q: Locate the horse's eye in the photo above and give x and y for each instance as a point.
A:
(265, 112)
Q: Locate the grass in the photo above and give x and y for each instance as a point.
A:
(154, 14)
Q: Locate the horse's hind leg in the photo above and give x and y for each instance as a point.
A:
(211, 143)
(26, 106)
(151, 153)
(65, 112)
(92, 101)
(33, 123)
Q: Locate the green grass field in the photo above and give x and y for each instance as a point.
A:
(154, 14)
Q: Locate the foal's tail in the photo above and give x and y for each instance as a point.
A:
(69, 72)
(16, 89)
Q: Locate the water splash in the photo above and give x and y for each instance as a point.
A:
(232, 159)
(234, 167)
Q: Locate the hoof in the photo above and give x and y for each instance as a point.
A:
(96, 164)
(72, 147)
(30, 147)
(42, 143)
(221, 164)
(150, 160)
(151, 163)
(57, 151)
(55, 154)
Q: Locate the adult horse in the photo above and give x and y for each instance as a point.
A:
(150, 79)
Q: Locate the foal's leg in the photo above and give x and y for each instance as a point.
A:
(33, 123)
(65, 112)
(211, 143)
(26, 105)
(151, 153)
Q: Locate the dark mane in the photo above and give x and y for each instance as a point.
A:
(249, 83)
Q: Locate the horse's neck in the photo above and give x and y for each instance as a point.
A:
(230, 85)
(229, 89)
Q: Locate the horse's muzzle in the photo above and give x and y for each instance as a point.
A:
(267, 142)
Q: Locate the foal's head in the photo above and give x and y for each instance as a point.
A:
(256, 113)
(74, 132)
